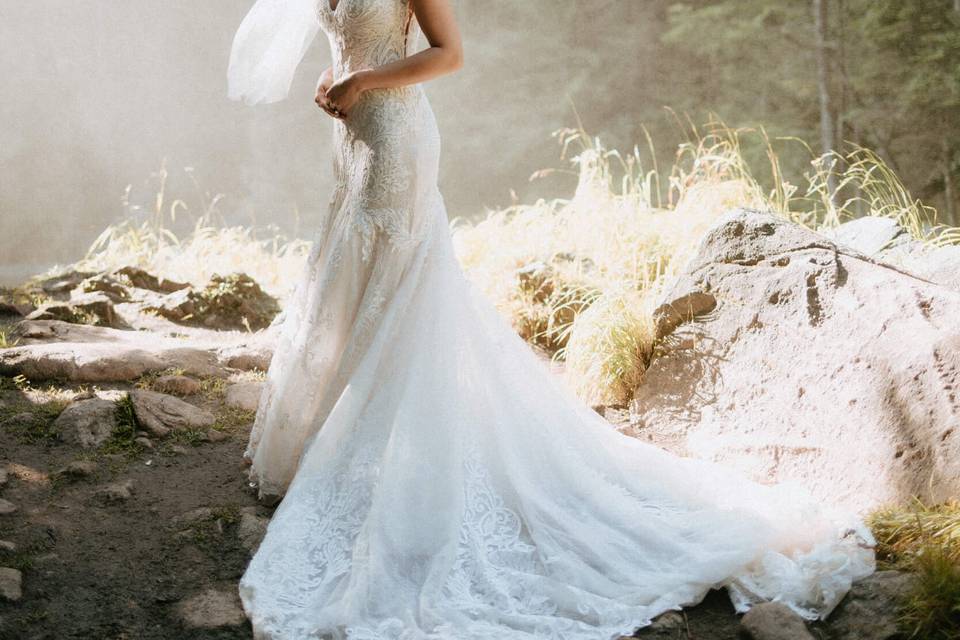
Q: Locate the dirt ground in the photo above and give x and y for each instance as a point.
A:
(120, 570)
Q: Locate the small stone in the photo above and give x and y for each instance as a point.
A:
(667, 621)
(870, 609)
(78, 469)
(115, 493)
(7, 546)
(179, 450)
(88, 423)
(3, 476)
(11, 584)
(7, 507)
(212, 609)
(196, 515)
(177, 385)
(773, 621)
(160, 413)
(144, 442)
(244, 395)
(213, 435)
(251, 529)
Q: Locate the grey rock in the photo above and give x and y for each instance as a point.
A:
(870, 234)
(142, 279)
(193, 516)
(819, 366)
(103, 283)
(160, 413)
(86, 308)
(7, 507)
(178, 306)
(244, 395)
(940, 265)
(773, 621)
(7, 546)
(251, 529)
(214, 435)
(247, 357)
(177, 385)
(11, 584)
(669, 621)
(83, 353)
(78, 469)
(870, 609)
(214, 608)
(3, 477)
(114, 493)
(60, 285)
(144, 442)
(88, 423)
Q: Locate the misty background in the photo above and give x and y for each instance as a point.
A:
(101, 94)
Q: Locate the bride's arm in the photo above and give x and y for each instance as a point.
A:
(445, 55)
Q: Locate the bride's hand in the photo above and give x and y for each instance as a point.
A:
(326, 79)
(343, 94)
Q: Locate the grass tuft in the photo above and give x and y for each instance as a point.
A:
(122, 440)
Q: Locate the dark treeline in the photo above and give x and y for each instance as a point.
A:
(879, 73)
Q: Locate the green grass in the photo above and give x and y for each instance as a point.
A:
(932, 610)
(926, 541)
(40, 429)
(122, 440)
(208, 533)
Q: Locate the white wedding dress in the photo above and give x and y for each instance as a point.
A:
(438, 482)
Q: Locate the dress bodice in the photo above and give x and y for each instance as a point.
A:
(367, 33)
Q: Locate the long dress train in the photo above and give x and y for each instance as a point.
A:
(438, 482)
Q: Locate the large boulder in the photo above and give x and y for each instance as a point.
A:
(84, 308)
(813, 363)
(234, 301)
(88, 423)
(886, 240)
(773, 621)
(872, 607)
(244, 395)
(47, 349)
(160, 413)
(142, 279)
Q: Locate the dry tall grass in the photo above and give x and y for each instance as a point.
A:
(630, 226)
(611, 247)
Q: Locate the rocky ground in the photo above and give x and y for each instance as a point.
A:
(125, 403)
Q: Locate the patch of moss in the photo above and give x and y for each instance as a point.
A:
(208, 533)
(232, 419)
(40, 428)
(123, 438)
(192, 437)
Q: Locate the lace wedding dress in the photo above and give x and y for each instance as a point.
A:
(438, 482)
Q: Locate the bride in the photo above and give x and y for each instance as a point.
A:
(437, 483)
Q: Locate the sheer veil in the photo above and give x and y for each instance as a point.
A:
(268, 47)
